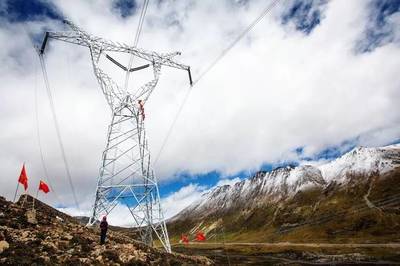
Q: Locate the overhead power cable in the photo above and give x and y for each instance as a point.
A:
(211, 66)
(46, 173)
(237, 39)
(45, 170)
(136, 40)
(60, 142)
(140, 24)
(164, 143)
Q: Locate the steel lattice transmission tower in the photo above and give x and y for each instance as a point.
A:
(126, 176)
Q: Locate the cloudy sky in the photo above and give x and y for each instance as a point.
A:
(310, 81)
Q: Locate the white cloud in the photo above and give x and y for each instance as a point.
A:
(120, 215)
(227, 181)
(180, 199)
(276, 90)
(171, 204)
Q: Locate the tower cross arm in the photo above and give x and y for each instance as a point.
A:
(153, 57)
(70, 37)
(163, 59)
(80, 37)
(102, 45)
(75, 36)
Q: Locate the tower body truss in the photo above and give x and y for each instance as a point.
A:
(125, 175)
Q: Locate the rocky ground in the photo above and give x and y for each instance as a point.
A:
(56, 238)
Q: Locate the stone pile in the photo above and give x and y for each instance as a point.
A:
(54, 238)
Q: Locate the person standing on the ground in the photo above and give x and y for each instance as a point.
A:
(103, 228)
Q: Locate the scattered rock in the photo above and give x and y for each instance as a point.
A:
(67, 237)
(61, 220)
(51, 245)
(31, 216)
(45, 259)
(3, 246)
(84, 260)
(25, 234)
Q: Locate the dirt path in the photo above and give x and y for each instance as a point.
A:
(246, 253)
(312, 245)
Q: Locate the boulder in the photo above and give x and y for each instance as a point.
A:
(3, 246)
(31, 216)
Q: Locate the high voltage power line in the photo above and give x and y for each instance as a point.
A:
(46, 173)
(266, 10)
(136, 40)
(57, 127)
(39, 142)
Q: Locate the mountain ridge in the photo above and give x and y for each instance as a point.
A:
(353, 198)
(285, 182)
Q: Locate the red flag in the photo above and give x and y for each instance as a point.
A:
(23, 178)
(185, 239)
(43, 187)
(200, 236)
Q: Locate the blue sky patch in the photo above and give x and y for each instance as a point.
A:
(305, 15)
(207, 180)
(125, 8)
(329, 153)
(29, 10)
(268, 167)
(379, 31)
(334, 152)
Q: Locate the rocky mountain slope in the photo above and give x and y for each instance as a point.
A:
(289, 200)
(54, 238)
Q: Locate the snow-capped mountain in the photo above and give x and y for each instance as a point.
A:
(283, 183)
(362, 160)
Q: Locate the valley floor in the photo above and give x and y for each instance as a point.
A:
(295, 253)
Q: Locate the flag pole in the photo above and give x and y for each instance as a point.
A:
(23, 202)
(37, 194)
(16, 190)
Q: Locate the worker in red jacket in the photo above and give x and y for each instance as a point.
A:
(103, 228)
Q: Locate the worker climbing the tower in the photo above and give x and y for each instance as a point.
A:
(103, 229)
(141, 109)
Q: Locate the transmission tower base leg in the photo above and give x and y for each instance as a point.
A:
(126, 178)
